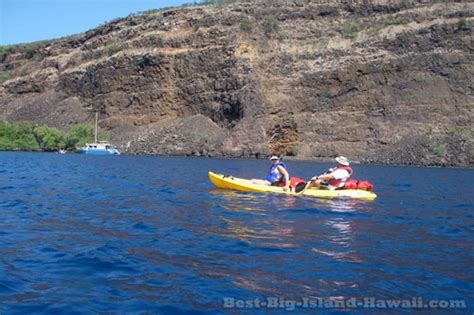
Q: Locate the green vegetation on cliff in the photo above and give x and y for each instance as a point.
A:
(394, 20)
(246, 25)
(24, 136)
(351, 30)
(270, 25)
(5, 50)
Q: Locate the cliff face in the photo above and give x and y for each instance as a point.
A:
(377, 82)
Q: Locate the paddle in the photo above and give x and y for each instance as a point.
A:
(301, 187)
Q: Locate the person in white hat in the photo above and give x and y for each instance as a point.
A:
(277, 175)
(333, 178)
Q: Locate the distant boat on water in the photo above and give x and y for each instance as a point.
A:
(98, 147)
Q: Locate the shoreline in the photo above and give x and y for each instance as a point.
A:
(284, 158)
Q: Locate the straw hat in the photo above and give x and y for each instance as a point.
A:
(342, 160)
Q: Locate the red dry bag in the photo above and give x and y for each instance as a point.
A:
(358, 184)
(364, 185)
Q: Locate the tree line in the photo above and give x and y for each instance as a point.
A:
(25, 136)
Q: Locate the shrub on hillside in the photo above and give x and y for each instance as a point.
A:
(394, 20)
(5, 50)
(351, 29)
(270, 24)
(113, 48)
(246, 25)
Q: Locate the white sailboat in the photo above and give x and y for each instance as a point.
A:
(98, 147)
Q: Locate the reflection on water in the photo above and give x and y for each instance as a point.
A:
(343, 232)
(349, 256)
(268, 234)
(245, 201)
(238, 201)
(347, 205)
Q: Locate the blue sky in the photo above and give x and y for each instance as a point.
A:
(24, 21)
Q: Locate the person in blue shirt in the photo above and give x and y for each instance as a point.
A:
(277, 175)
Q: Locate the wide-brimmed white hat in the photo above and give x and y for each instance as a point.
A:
(274, 157)
(342, 160)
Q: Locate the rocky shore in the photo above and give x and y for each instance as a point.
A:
(379, 82)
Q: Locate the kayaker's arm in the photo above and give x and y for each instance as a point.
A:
(325, 177)
(286, 175)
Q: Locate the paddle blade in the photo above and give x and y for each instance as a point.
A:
(300, 187)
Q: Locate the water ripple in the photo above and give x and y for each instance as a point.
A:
(83, 234)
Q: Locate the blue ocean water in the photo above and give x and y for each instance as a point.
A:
(82, 234)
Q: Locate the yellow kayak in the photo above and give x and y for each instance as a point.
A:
(234, 183)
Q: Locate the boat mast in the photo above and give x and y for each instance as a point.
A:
(95, 132)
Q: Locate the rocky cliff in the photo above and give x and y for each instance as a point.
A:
(377, 81)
